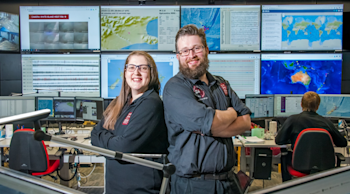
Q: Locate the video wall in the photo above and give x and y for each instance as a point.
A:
(245, 43)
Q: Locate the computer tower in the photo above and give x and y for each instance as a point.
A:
(262, 164)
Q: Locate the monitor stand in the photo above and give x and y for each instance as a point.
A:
(60, 132)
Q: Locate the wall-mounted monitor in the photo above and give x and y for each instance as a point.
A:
(151, 28)
(302, 27)
(300, 73)
(64, 108)
(227, 28)
(334, 106)
(89, 108)
(286, 105)
(112, 72)
(60, 28)
(242, 71)
(261, 106)
(14, 105)
(9, 32)
(74, 75)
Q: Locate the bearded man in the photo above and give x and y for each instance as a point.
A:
(202, 113)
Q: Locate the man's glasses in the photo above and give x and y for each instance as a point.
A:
(142, 68)
(195, 49)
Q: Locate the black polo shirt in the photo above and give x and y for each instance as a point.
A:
(307, 119)
(189, 106)
(139, 129)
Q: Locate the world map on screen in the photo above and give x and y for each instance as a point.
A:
(206, 18)
(129, 33)
(334, 106)
(312, 31)
(115, 75)
(298, 77)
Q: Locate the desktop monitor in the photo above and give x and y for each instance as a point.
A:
(112, 72)
(73, 75)
(9, 32)
(63, 108)
(302, 27)
(242, 71)
(300, 73)
(45, 103)
(286, 105)
(261, 106)
(89, 108)
(337, 106)
(14, 105)
(60, 28)
(227, 28)
(151, 28)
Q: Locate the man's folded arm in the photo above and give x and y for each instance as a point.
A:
(238, 126)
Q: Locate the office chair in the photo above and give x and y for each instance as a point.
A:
(30, 156)
(313, 152)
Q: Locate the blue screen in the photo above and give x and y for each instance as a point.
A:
(46, 104)
(300, 76)
(334, 106)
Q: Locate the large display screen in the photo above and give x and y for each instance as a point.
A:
(60, 28)
(14, 105)
(73, 75)
(112, 72)
(226, 27)
(286, 105)
(300, 73)
(334, 106)
(9, 32)
(139, 28)
(261, 106)
(242, 71)
(302, 27)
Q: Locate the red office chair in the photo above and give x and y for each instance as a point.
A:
(30, 156)
(313, 152)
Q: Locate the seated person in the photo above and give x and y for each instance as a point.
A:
(306, 119)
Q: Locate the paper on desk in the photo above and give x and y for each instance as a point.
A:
(251, 139)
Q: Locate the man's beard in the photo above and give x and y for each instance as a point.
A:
(200, 70)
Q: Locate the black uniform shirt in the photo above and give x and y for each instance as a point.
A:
(139, 129)
(189, 106)
(296, 123)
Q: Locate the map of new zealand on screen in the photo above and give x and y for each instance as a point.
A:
(334, 106)
(206, 18)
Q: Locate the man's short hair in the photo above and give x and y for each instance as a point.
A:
(310, 101)
(191, 30)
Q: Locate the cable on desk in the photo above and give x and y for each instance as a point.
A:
(89, 173)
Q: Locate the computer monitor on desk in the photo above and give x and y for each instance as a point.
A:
(89, 108)
(261, 106)
(334, 106)
(286, 105)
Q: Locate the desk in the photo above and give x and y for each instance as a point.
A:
(268, 144)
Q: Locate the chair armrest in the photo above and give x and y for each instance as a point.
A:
(340, 158)
(60, 152)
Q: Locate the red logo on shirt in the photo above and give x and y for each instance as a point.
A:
(198, 92)
(127, 119)
(224, 88)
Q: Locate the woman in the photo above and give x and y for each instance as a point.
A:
(134, 123)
